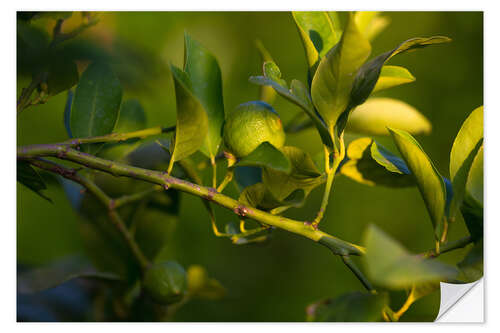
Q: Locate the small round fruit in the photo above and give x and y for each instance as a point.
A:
(251, 124)
(165, 282)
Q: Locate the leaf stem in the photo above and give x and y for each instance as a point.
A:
(64, 152)
(214, 171)
(449, 246)
(330, 171)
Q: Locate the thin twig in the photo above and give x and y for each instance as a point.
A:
(337, 245)
(115, 218)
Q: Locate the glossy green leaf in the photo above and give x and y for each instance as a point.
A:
(30, 178)
(266, 155)
(332, 84)
(267, 94)
(206, 84)
(390, 265)
(59, 272)
(62, 75)
(67, 113)
(318, 35)
(376, 114)
(303, 176)
(192, 121)
(368, 75)
(350, 307)
(474, 185)
(430, 183)
(370, 23)
(392, 76)
(298, 95)
(96, 103)
(467, 142)
(371, 164)
(471, 267)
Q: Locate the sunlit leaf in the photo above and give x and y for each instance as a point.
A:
(350, 307)
(318, 36)
(267, 93)
(465, 147)
(96, 103)
(368, 74)
(371, 23)
(266, 155)
(192, 121)
(390, 265)
(303, 176)
(206, 84)
(371, 164)
(59, 272)
(429, 181)
(30, 178)
(392, 76)
(474, 186)
(376, 114)
(332, 84)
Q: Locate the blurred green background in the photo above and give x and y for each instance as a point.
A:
(273, 281)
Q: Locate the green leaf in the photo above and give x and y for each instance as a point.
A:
(375, 115)
(62, 75)
(368, 75)
(267, 93)
(67, 113)
(371, 164)
(132, 117)
(30, 178)
(299, 96)
(206, 84)
(392, 76)
(318, 35)
(332, 84)
(474, 186)
(390, 265)
(371, 23)
(96, 103)
(430, 183)
(266, 155)
(350, 307)
(471, 267)
(303, 175)
(192, 121)
(59, 272)
(465, 147)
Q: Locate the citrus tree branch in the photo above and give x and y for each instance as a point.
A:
(449, 246)
(65, 152)
(114, 217)
(119, 137)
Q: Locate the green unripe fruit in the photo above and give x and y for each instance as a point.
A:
(251, 124)
(165, 282)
